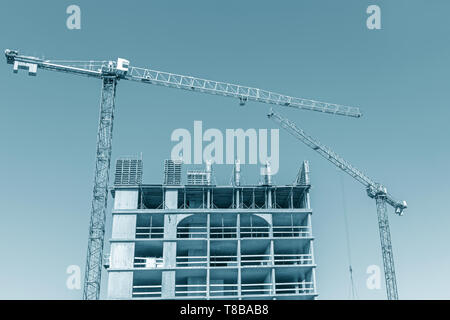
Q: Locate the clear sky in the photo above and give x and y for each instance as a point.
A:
(318, 49)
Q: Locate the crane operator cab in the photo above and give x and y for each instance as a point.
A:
(122, 66)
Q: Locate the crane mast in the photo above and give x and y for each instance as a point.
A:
(374, 190)
(110, 72)
(93, 269)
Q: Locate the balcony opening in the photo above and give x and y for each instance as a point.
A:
(148, 255)
(256, 282)
(222, 198)
(149, 226)
(195, 198)
(253, 226)
(190, 283)
(193, 227)
(287, 225)
(223, 226)
(191, 254)
(147, 285)
(292, 252)
(255, 253)
(294, 283)
(151, 197)
(223, 283)
(289, 197)
(223, 253)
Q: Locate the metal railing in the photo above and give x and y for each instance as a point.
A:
(278, 259)
(138, 262)
(227, 289)
(223, 232)
(223, 261)
(302, 287)
(256, 289)
(201, 232)
(255, 232)
(202, 261)
(246, 260)
(256, 259)
(148, 262)
(150, 291)
(192, 232)
(291, 231)
(191, 261)
(149, 232)
(293, 259)
(190, 290)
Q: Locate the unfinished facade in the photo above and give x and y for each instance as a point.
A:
(204, 241)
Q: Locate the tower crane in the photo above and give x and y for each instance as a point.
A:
(374, 190)
(110, 72)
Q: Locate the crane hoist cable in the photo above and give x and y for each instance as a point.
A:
(353, 294)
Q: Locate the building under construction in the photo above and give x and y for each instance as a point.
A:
(206, 241)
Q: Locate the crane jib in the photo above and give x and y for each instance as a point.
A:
(122, 70)
(373, 189)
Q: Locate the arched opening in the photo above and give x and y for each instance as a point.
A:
(193, 227)
(253, 226)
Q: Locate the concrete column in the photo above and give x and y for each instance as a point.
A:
(292, 198)
(123, 226)
(272, 270)
(269, 198)
(208, 199)
(208, 253)
(168, 284)
(120, 283)
(168, 280)
(308, 223)
(275, 197)
(238, 253)
(208, 277)
(171, 198)
(311, 251)
(268, 279)
(126, 199)
(122, 255)
(169, 254)
(168, 277)
(170, 226)
(271, 252)
(274, 282)
(239, 279)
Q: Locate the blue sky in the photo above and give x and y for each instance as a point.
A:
(320, 49)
